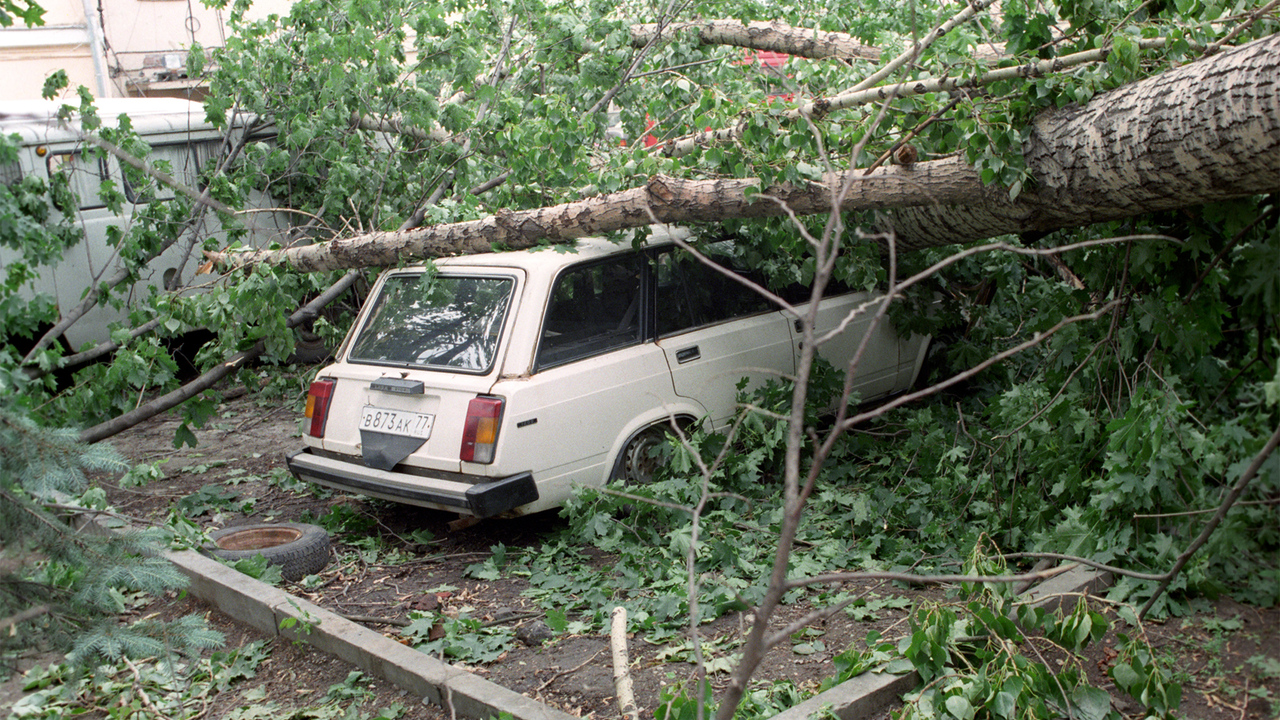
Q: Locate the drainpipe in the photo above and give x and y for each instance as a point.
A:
(95, 46)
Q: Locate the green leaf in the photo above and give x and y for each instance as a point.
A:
(1125, 676)
(959, 707)
(1005, 704)
(1091, 703)
(557, 620)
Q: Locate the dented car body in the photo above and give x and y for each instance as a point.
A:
(494, 384)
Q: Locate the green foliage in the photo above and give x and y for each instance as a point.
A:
(261, 569)
(28, 11)
(460, 639)
(76, 583)
(1112, 439)
(213, 498)
(162, 688)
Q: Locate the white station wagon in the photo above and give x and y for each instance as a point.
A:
(494, 384)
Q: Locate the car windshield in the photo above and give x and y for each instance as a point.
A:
(435, 321)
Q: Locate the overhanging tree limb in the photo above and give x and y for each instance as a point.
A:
(1203, 132)
(680, 147)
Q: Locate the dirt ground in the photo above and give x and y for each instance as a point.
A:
(1230, 657)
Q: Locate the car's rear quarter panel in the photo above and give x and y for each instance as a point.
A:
(566, 424)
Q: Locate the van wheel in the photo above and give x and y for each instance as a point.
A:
(639, 466)
(297, 549)
(309, 349)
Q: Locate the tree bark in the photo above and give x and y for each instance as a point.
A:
(1200, 133)
(772, 36)
(1203, 132)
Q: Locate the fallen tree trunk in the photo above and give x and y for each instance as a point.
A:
(1203, 132)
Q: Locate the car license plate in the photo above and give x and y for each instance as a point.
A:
(396, 422)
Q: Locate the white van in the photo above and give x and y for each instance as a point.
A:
(177, 132)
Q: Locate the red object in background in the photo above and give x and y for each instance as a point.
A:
(770, 58)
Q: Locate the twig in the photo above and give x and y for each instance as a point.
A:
(1186, 513)
(513, 618)
(372, 619)
(8, 623)
(1083, 561)
(911, 135)
(142, 694)
(433, 559)
(570, 671)
(1255, 17)
(200, 198)
(907, 577)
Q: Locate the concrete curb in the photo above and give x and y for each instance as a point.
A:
(464, 694)
(264, 607)
(872, 691)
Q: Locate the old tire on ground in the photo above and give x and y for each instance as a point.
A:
(297, 549)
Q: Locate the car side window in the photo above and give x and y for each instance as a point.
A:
(594, 308)
(691, 294)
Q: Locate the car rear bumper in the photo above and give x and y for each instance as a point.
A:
(482, 499)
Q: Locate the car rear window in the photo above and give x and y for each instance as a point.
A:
(449, 322)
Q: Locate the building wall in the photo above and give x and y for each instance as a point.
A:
(144, 45)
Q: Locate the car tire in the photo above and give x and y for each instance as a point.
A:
(637, 465)
(297, 549)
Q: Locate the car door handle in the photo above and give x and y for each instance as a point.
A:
(684, 355)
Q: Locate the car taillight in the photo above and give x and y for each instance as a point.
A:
(318, 404)
(480, 435)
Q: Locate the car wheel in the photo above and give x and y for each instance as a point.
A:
(639, 465)
(309, 349)
(297, 549)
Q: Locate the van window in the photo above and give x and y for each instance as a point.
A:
(84, 175)
(181, 160)
(435, 322)
(10, 173)
(594, 308)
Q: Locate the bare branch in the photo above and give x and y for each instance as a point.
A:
(772, 36)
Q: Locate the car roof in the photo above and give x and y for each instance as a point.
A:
(554, 257)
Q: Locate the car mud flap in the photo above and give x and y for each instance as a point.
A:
(383, 451)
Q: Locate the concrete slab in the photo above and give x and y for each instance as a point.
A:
(861, 697)
(1066, 587)
(263, 607)
(367, 649)
(469, 695)
(231, 591)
